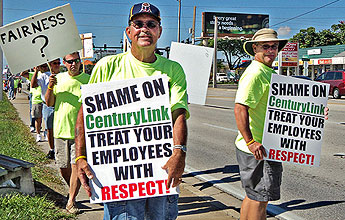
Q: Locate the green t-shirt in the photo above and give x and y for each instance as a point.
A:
(67, 103)
(36, 92)
(126, 66)
(16, 82)
(253, 89)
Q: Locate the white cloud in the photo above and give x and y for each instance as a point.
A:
(284, 31)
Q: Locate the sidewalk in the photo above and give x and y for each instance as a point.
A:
(210, 203)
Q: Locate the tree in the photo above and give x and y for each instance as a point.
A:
(310, 38)
(232, 49)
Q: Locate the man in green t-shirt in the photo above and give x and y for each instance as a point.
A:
(64, 94)
(144, 30)
(260, 178)
(35, 102)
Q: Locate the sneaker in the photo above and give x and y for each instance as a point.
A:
(38, 138)
(72, 208)
(32, 129)
(51, 154)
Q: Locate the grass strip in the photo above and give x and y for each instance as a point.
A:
(16, 141)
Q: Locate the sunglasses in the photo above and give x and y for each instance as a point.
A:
(76, 61)
(56, 63)
(150, 24)
(266, 46)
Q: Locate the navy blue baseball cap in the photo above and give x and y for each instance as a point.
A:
(144, 8)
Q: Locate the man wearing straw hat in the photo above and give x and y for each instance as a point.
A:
(260, 178)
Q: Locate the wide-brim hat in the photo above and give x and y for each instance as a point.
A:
(263, 35)
(144, 8)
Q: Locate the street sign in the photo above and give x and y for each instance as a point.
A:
(289, 55)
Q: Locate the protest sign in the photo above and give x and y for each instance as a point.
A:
(294, 123)
(196, 62)
(39, 38)
(128, 133)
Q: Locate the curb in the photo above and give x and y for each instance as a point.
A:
(273, 210)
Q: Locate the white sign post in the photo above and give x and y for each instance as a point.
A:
(196, 62)
(87, 51)
(39, 38)
(295, 121)
(128, 132)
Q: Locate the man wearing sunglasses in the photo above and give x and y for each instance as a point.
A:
(64, 94)
(260, 178)
(48, 112)
(144, 30)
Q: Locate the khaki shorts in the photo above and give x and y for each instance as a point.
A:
(64, 152)
(36, 111)
(261, 179)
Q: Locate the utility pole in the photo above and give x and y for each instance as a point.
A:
(1, 57)
(179, 21)
(215, 52)
(193, 28)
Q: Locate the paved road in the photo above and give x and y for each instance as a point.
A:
(308, 192)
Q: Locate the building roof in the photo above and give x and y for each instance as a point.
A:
(342, 54)
(88, 62)
(326, 51)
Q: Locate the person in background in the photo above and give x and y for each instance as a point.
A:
(34, 98)
(64, 94)
(48, 112)
(16, 83)
(10, 83)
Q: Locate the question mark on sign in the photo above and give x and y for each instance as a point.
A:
(45, 42)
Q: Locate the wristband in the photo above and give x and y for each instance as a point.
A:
(250, 142)
(50, 88)
(80, 157)
(182, 147)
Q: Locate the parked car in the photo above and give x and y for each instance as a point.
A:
(336, 79)
(222, 77)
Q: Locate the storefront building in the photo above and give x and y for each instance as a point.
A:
(321, 59)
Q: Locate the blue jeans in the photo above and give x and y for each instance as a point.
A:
(156, 208)
(32, 120)
(48, 116)
(11, 92)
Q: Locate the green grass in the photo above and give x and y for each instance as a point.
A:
(17, 206)
(16, 141)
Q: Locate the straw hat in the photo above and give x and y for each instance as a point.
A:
(264, 35)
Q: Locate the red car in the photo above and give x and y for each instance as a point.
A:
(336, 78)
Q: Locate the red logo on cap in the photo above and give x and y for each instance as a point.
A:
(145, 7)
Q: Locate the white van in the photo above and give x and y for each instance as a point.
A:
(222, 77)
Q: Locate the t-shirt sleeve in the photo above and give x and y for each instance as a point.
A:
(40, 80)
(100, 71)
(250, 90)
(178, 90)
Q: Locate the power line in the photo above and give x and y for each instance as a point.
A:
(191, 6)
(308, 12)
(166, 16)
